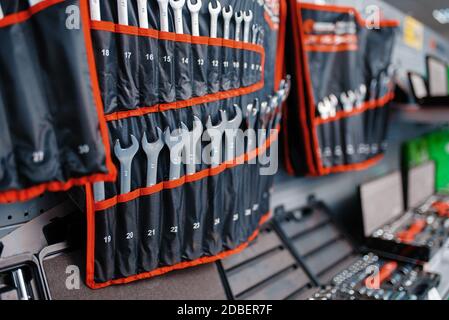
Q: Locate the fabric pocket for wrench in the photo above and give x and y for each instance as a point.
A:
(62, 140)
(148, 71)
(214, 69)
(128, 71)
(227, 68)
(167, 85)
(183, 71)
(199, 69)
(8, 170)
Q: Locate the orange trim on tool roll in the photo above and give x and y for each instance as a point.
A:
(24, 15)
(55, 186)
(330, 48)
(141, 192)
(90, 263)
(348, 10)
(372, 104)
(351, 167)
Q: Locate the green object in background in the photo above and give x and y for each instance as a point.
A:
(435, 147)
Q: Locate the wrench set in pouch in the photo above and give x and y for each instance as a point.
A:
(178, 80)
(342, 73)
(52, 129)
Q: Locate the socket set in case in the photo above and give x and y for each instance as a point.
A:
(337, 267)
(418, 233)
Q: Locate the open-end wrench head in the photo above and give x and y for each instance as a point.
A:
(155, 145)
(177, 4)
(238, 16)
(194, 7)
(126, 153)
(221, 125)
(248, 16)
(334, 100)
(173, 138)
(237, 120)
(227, 12)
(214, 10)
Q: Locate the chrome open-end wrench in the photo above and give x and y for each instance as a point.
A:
(231, 127)
(95, 12)
(194, 14)
(227, 13)
(177, 6)
(346, 101)
(214, 14)
(193, 145)
(125, 157)
(215, 134)
(238, 16)
(163, 14)
(142, 7)
(360, 95)
(152, 150)
(247, 18)
(122, 7)
(175, 141)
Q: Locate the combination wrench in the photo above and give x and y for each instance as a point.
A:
(122, 6)
(152, 150)
(214, 14)
(215, 134)
(95, 13)
(175, 141)
(163, 14)
(227, 13)
(247, 18)
(193, 145)
(231, 128)
(143, 13)
(177, 6)
(125, 157)
(238, 16)
(194, 14)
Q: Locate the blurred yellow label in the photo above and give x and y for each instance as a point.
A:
(413, 33)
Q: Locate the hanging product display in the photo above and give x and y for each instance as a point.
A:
(337, 119)
(53, 133)
(179, 80)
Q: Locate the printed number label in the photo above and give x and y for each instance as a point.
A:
(149, 56)
(225, 64)
(235, 217)
(105, 52)
(38, 156)
(83, 149)
(215, 63)
(129, 235)
(185, 60)
(174, 229)
(253, 66)
(245, 65)
(151, 232)
(107, 239)
(167, 59)
(127, 54)
(201, 62)
(217, 221)
(196, 226)
(236, 64)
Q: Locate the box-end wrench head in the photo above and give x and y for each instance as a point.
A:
(238, 16)
(163, 14)
(231, 128)
(152, 150)
(125, 157)
(95, 12)
(215, 133)
(194, 14)
(247, 18)
(177, 6)
(175, 142)
(193, 146)
(214, 14)
(227, 13)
